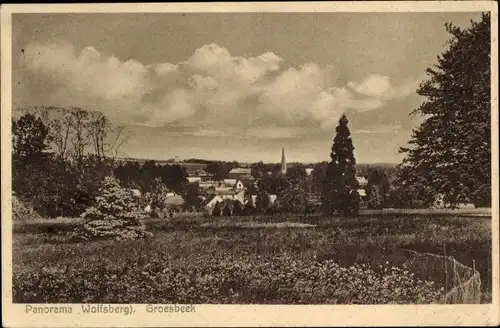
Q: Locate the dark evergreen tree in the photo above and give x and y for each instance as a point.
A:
(249, 205)
(262, 201)
(339, 192)
(217, 210)
(238, 208)
(450, 153)
(226, 210)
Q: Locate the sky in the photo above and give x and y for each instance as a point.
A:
(235, 86)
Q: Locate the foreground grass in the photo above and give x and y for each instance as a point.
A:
(188, 244)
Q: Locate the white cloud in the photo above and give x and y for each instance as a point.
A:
(380, 86)
(226, 94)
(377, 129)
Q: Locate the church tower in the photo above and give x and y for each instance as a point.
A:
(283, 161)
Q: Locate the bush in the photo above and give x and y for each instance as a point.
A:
(115, 215)
(223, 279)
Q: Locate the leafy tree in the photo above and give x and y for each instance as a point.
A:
(158, 196)
(375, 200)
(339, 192)
(378, 178)
(266, 184)
(213, 167)
(317, 176)
(114, 215)
(29, 138)
(293, 197)
(174, 177)
(450, 152)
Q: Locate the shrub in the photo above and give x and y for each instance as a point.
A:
(223, 279)
(114, 216)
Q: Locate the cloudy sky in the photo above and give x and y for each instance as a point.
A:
(235, 86)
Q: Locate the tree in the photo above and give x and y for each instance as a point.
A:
(158, 196)
(217, 209)
(262, 201)
(192, 195)
(450, 152)
(293, 197)
(29, 137)
(375, 200)
(249, 206)
(80, 137)
(226, 210)
(114, 215)
(339, 191)
(378, 178)
(238, 208)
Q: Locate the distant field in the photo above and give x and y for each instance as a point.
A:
(196, 242)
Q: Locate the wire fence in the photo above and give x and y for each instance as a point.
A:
(462, 284)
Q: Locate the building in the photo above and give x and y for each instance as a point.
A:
(240, 173)
(272, 199)
(362, 181)
(462, 203)
(234, 183)
(193, 179)
(222, 195)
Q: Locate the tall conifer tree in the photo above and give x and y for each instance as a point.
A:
(340, 185)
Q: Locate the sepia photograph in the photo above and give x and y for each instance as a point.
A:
(184, 158)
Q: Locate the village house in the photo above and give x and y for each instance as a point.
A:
(193, 179)
(440, 203)
(222, 195)
(240, 174)
(362, 183)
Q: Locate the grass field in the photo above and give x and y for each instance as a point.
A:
(190, 254)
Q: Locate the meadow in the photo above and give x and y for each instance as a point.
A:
(287, 259)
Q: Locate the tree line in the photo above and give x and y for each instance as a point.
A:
(61, 156)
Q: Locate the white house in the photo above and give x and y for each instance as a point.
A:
(194, 179)
(221, 195)
(230, 181)
(272, 199)
(362, 181)
(440, 203)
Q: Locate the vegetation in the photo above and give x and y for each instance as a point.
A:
(454, 160)
(114, 215)
(230, 263)
(292, 194)
(339, 194)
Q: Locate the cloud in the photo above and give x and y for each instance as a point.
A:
(380, 86)
(212, 91)
(378, 129)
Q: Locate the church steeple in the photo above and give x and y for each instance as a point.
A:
(283, 161)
